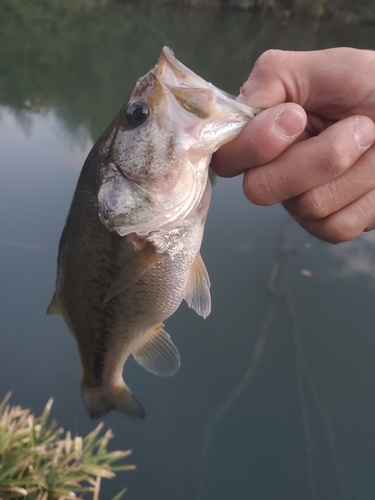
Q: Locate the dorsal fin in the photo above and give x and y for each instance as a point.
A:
(54, 309)
(158, 354)
(197, 291)
(133, 269)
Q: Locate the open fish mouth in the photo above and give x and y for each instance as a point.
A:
(176, 77)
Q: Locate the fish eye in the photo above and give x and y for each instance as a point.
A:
(137, 113)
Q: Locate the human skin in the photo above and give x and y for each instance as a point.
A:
(312, 148)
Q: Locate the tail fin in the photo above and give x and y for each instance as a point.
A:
(101, 400)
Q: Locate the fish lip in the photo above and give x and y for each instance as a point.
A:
(173, 63)
(177, 65)
(180, 76)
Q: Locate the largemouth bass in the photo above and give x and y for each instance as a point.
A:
(130, 249)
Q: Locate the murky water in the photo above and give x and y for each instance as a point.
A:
(275, 398)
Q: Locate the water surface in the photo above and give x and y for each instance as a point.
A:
(275, 396)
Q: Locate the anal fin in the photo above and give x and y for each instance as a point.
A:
(197, 291)
(54, 308)
(158, 354)
(133, 269)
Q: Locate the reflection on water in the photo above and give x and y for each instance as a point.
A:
(356, 257)
(311, 404)
(274, 399)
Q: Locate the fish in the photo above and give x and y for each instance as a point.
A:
(129, 253)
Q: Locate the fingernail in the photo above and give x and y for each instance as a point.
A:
(363, 133)
(290, 122)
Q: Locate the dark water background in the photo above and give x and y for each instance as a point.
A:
(275, 399)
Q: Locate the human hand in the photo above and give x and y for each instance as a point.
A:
(313, 147)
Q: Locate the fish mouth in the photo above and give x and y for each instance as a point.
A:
(192, 93)
(177, 77)
(170, 71)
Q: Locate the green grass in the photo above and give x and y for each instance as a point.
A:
(39, 461)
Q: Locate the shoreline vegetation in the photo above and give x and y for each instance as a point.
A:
(39, 461)
(61, 56)
(342, 11)
(345, 11)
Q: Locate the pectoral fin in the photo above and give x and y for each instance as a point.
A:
(158, 354)
(133, 269)
(54, 309)
(197, 292)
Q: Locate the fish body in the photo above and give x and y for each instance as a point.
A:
(130, 249)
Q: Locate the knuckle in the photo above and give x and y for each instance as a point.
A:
(321, 201)
(269, 56)
(257, 187)
(313, 205)
(340, 231)
(270, 61)
(335, 161)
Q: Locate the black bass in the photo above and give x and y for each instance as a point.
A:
(130, 250)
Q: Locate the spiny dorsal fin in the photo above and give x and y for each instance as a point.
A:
(54, 309)
(133, 269)
(158, 354)
(197, 291)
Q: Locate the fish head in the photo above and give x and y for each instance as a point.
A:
(160, 145)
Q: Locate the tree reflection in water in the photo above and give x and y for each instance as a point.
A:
(281, 290)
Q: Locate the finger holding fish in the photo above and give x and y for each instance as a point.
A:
(324, 175)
